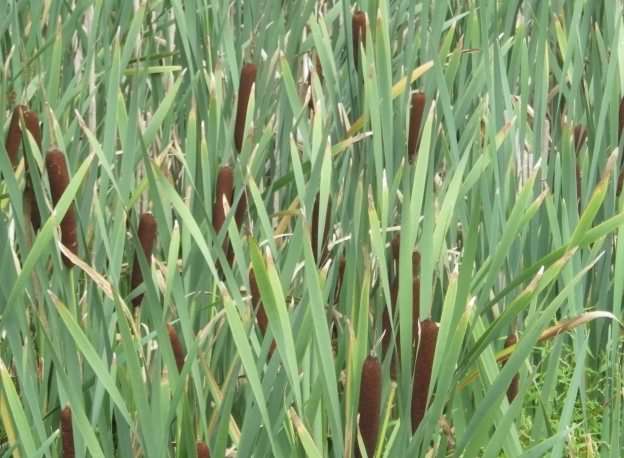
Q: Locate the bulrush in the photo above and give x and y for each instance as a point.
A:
(620, 182)
(32, 124)
(241, 210)
(147, 237)
(342, 264)
(247, 80)
(224, 189)
(512, 391)
(14, 136)
(358, 29)
(59, 180)
(579, 135)
(176, 346)
(67, 433)
(369, 404)
(202, 450)
(256, 302)
(422, 371)
(30, 207)
(417, 108)
(314, 228)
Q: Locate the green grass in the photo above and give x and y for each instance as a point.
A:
(141, 98)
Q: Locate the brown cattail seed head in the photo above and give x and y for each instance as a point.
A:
(247, 80)
(32, 124)
(30, 206)
(67, 433)
(176, 345)
(59, 180)
(369, 404)
(224, 189)
(512, 391)
(202, 450)
(147, 237)
(422, 371)
(358, 29)
(417, 109)
(241, 210)
(14, 135)
(315, 224)
(580, 135)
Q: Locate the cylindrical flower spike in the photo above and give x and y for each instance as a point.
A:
(512, 391)
(202, 450)
(358, 30)
(314, 228)
(32, 125)
(176, 346)
(241, 210)
(579, 135)
(247, 80)
(369, 404)
(224, 189)
(417, 109)
(147, 232)
(59, 180)
(14, 135)
(422, 371)
(67, 433)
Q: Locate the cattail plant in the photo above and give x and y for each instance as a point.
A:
(247, 80)
(427, 337)
(417, 108)
(256, 302)
(224, 190)
(314, 235)
(512, 391)
(147, 237)
(621, 119)
(67, 433)
(342, 264)
(59, 180)
(369, 404)
(579, 134)
(358, 30)
(14, 135)
(241, 210)
(202, 450)
(32, 124)
(31, 121)
(176, 346)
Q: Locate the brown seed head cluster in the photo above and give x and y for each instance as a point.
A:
(512, 391)
(369, 405)
(147, 233)
(247, 80)
(176, 346)
(59, 180)
(417, 109)
(358, 29)
(202, 450)
(67, 433)
(428, 337)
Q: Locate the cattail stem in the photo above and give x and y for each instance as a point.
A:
(247, 80)
(369, 404)
(422, 371)
(202, 450)
(512, 391)
(417, 109)
(147, 232)
(59, 180)
(67, 433)
(358, 30)
(176, 346)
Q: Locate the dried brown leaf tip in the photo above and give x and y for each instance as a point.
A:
(147, 233)
(358, 29)
(512, 391)
(247, 80)
(176, 346)
(14, 135)
(417, 109)
(59, 180)
(67, 433)
(202, 450)
(369, 404)
(428, 337)
(314, 234)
